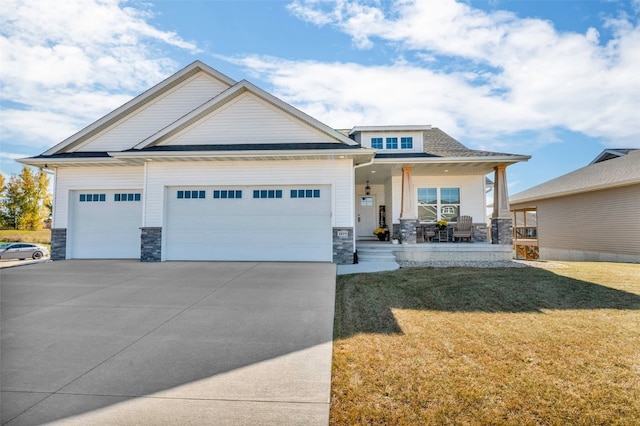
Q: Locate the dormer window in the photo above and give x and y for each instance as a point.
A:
(396, 141)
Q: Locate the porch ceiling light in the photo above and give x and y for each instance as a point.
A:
(367, 189)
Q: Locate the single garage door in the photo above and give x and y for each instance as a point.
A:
(269, 223)
(105, 225)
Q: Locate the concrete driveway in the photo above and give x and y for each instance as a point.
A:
(124, 342)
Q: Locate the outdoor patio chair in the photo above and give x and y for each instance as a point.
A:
(429, 234)
(464, 229)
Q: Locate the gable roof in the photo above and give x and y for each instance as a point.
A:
(608, 154)
(621, 171)
(84, 147)
(138, 102)
(227, 96)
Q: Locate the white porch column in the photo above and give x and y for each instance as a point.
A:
(501, 221)
(408, 210)
(501, 194)
(408, 213)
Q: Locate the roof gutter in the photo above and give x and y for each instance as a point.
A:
(426, 160)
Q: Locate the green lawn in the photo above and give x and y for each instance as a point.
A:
(507, 346)
(40, 237)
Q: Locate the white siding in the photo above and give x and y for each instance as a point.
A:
(156, 115)
(396, 196)
(335, 173)
(388, 201)
(248, 119)
(472, 195)
(91, 178)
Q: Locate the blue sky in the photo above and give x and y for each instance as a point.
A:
(556, 80)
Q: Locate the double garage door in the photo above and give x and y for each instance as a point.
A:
(271, 223)
(262, 223)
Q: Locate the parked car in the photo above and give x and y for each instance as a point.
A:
(22, 251)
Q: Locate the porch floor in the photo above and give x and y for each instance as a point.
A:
(384, 251)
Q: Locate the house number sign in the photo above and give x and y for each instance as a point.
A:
(343, 234)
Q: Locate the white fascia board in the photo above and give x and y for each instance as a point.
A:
(401, 128)
(48, 162)
(340, 153)
(141, 99)
(496, 159)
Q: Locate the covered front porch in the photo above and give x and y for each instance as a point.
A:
(406, 200)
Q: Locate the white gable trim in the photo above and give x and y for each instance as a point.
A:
(230, 94)
(140, 100)
(401, 128)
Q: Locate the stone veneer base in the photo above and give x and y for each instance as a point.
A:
(151, 244)
(408, 231)
(343, 248)
(58, 243)
(502, 231)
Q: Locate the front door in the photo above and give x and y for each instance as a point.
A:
(366, 217)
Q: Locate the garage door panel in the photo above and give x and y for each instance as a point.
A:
(105, 228)
(249, 228)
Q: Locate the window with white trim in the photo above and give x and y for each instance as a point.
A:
(227, 194)
(392, 143)
(126, 197)
(85, 198)
(438, 203)
(187, 194)
(267, 193)
(305, 193)
(406, 143)
(376, 143)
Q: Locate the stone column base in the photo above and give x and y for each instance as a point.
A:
(501, 231)
(343, 246)
(58, 243)
(408, 231)
(151, 244)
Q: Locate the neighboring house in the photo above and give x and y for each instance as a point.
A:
(590, 214)
(201, 167)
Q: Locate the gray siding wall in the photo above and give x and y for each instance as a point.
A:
(586, 226)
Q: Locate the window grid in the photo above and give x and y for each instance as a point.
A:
(267, 193)
(406, 143)
(376, 143)
(392, 143)
(182, 194)
(305, 193)
(127, 197)
(85, 198)
(432, 207)
(227, 194)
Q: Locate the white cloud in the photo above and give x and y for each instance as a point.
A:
(63, 65)
(515, 74)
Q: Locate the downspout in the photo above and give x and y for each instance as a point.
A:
(54, 188)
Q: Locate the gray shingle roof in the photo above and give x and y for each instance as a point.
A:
(615, 172)
(439, 143)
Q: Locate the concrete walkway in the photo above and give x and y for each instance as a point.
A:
(124, 342)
